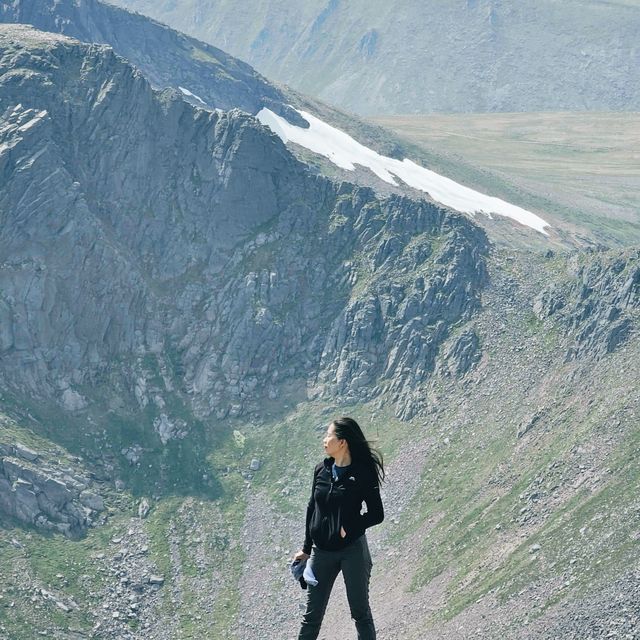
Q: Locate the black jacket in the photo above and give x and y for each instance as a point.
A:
(337, 503)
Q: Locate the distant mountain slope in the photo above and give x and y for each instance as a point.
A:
(585, 162)
(166, 57)
(376, 57)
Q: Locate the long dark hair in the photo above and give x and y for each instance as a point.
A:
(359, 447)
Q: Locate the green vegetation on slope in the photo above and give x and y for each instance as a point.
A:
(580, 170)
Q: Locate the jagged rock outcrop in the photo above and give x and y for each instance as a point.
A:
(233, 272)
(460, 354)
(600, 305)
(390, 338)
(339, 324)
(38, 492)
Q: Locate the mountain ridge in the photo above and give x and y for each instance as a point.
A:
(225, 81)
(173, 65)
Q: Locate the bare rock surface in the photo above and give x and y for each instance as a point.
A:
(35, 490)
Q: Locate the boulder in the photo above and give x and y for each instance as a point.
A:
(26, 504)
(25, 453)
(143, 508)
(92, 501)
(57, 491)
(6, 450)
(7, 497)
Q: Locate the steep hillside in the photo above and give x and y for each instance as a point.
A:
(511, 502)
(419, 57)
(204, 74)
(513, 505)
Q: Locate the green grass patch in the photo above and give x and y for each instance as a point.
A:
(467, 511)
(62, 567)
(565, 165)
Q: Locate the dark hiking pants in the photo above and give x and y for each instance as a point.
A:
(355, 563)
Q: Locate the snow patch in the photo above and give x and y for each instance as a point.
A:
(192, 95)
(345, 152)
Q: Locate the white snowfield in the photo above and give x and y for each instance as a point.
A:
(193, 95)
(346, 152)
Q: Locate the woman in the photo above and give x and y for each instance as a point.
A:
(336, 528)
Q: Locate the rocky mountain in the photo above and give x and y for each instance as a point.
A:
(214, 298)
(208, 78)
(419, 57)
(184, 304)
(167, 57)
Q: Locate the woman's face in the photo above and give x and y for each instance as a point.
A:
(332, 444)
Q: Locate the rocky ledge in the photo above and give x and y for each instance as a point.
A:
(43, 493)
(598, 304)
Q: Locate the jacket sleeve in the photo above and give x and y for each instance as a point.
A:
(375, 510)
(306, 547)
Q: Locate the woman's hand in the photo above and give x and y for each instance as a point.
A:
(343, 533)
(302, 556)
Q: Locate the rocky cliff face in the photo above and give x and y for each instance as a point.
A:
(598, 305)
(157, 254)
(43, 493)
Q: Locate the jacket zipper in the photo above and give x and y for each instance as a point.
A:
(333, 482)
